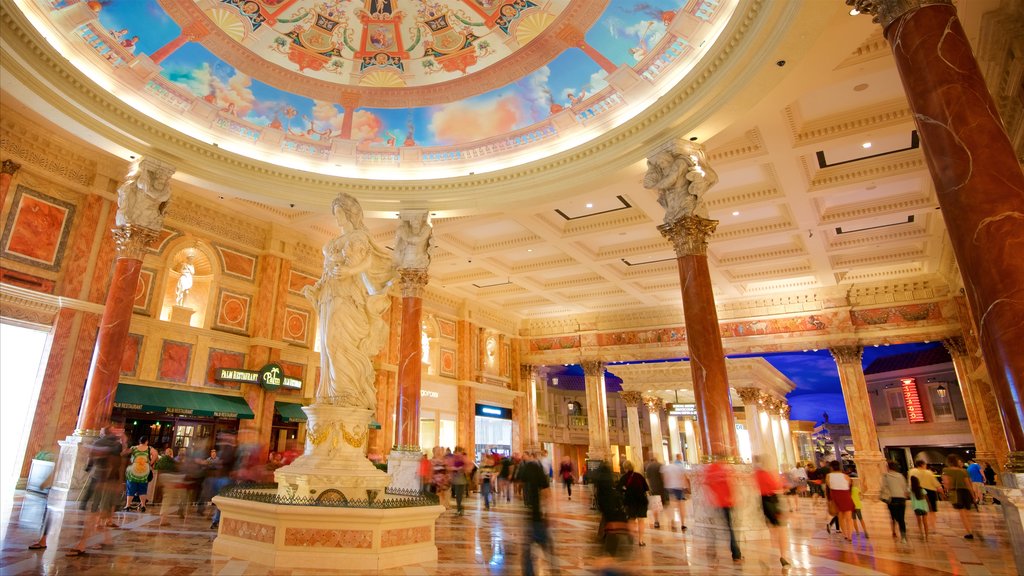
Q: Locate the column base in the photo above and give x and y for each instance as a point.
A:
(871, 466)
(747, 516)
(70, 477)
(404, 468)
(1011, 499)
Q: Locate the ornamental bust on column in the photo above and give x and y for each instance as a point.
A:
(681, 176)
(142, 200)
(412, 251)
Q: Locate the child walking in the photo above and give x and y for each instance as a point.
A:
(919, 503)
(857, 516)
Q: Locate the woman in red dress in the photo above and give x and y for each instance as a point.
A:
(838, 489)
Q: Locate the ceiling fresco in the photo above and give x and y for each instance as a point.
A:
(300, 76)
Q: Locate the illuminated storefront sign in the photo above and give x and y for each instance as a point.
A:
(271, 377)
(493, 412)
(681, 409)
(912, 400)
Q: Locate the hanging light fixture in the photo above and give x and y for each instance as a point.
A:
(941, 391)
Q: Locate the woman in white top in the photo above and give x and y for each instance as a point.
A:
(837, 486)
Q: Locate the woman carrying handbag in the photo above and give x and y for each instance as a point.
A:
(634, 494)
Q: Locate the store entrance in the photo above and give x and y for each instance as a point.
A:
(493, 431)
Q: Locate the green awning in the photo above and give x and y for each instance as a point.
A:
(290, 412)
(132, 397)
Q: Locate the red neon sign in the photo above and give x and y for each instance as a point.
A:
(912, 400)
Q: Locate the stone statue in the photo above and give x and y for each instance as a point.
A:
(681, 176)
(412, 246)
(350, 298)
(145, 194)
(188, 269)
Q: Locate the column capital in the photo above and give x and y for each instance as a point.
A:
(132, 241)
(9, 167)
(689, 234)
(784, 410)
(955, 345)
(349, 99)
(749, 395)
(632, 399)
(847, 354)
(412, 281)
(592, 367)
(654, 403)
(885, 12)
(571, 36)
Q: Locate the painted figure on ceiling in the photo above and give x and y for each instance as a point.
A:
(381, 7)
(350, 298)
(681, 176)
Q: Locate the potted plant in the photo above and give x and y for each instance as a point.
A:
(40, 471)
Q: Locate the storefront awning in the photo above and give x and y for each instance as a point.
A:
(131, 397)
(290, 412)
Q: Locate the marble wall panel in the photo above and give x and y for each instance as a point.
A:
(293, 370)
(36, 283)
(144, 291)
(233, 311)
(237, 263)
(403, 536)
(223, 359)
(130, 358)
(163, 239)
(37, 229)
(83, 238)
(175, 358)
(447, 359)
(446, 328)
(297, 281)
(296, 326)
(249, 530)
(328, 538)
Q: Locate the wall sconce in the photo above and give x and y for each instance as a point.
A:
(574, 407)
(554, 381)
(941, 391)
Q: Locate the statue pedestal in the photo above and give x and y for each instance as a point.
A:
(70, 477)
(404, 467)
(181, 314)
(334, 465)
(747, 516)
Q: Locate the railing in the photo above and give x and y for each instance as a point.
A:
(238, 127)
(168, 94)
(496, 145)
(602, 102)
(104, 45)
(306, 148)
(267, 494)
(652, 67)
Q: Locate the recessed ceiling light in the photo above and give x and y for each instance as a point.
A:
(854, 12)
(866, 145)
(736, 213)
(589, 205)
(529, 249)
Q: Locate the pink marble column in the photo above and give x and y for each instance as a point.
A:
(978, 181)
(105, 371)
(704, 340)
(7, 171)
(410, 360)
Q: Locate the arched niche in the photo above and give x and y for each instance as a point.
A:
(198, 298)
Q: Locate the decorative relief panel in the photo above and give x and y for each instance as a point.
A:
(676, 334)
(144, 291)
(777, 325)
(216, 223)
(233, 311)
(446, 328)
(130, 356)
(447, 360)
(557, 343)
(26, 143)
(37, 229)
(297, 281)
(404, 536)
(296, 326)
(236, 263)
(896, 314)
(328, 538)
(175, 358)
(249, 530)
(223, 359)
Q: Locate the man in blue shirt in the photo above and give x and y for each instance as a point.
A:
(977, 479)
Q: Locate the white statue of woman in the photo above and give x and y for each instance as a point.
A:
(188, 269)
(350, 299)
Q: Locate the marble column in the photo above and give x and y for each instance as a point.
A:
(867, 456)
(7, 171)
(778, 444)
(986, 432)
(690, 431)
(758, 426)
(528, 378)
(192, 31)
(635, 450)
(978, 181)
(654, 406)
(142, 199)
(597, 409)
(681, 175)
(787, 438)
(674, 447)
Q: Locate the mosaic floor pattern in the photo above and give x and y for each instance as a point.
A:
(490, 542)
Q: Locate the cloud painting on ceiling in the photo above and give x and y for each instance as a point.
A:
(427, 73)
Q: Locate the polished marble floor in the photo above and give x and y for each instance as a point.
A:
(490, 542)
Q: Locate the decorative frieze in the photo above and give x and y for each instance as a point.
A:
(219, 224)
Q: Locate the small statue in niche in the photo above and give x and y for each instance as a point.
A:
(184, 286)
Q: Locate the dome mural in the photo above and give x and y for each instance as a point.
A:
(359, 86)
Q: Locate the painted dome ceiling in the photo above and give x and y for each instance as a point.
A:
(378, 87)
